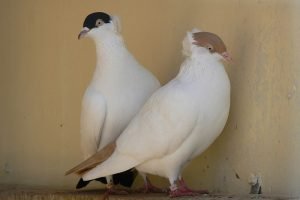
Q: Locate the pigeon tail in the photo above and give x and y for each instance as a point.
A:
(125, 179)
(117, 163)
(94, 160)
(81, 184)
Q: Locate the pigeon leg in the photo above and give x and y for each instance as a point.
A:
(181, 193)
(149, 187)
(112, 190)
(184, 187)
(181, 189)
(175, 191)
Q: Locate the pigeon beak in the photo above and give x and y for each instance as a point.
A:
(83, 32)
(227, 56)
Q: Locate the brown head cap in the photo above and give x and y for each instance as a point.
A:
(210, 41)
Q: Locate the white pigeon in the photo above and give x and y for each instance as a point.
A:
(118, 89)
(177, 123)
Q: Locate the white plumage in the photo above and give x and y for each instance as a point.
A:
(118, 89)
(180, 120)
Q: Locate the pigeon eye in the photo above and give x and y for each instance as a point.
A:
(210, 47)
(99, 22)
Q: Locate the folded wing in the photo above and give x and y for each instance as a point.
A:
(159, 129)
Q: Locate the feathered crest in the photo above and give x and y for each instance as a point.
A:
(117, 23)
(187, 43)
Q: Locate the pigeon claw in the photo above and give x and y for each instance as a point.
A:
(183, 192)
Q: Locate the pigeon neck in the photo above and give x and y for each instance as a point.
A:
(108, 48)
(197, 66)
(110, 54)
(109, 51)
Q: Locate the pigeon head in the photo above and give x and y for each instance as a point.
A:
(212, 44)
(97, 23)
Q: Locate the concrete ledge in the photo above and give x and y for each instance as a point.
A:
(14, 193)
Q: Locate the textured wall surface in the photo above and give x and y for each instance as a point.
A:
(44, 70)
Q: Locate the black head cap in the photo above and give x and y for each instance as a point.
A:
(91, 20)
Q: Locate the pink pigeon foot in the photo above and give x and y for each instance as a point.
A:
(150, 188)
(182, 193)
(183, 188)
(113, 191)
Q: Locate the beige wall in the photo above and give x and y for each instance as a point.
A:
(45, 69)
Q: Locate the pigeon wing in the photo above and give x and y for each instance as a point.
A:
(92, 120)
(161, 126)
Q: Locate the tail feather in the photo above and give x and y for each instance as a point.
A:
(116, 163)
(125, 179)
(94, 160)
(81, 183)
